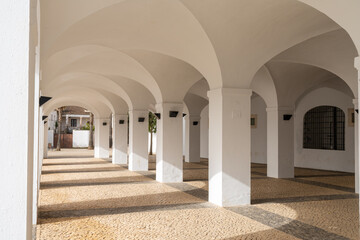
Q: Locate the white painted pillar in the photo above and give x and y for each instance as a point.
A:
(280, 142)
(357, 131)
(356, 144)
(41, 141)
(17, 118)
(46, 143)
(192, 138)
(102, 138)
(138, 140)
(119, 136)
(229, 146)
(169, 143)
(38, 155)
(204, 133)
(37, 166)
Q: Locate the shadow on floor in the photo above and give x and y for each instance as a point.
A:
(79, 170)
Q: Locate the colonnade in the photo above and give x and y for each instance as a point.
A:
(229, 133)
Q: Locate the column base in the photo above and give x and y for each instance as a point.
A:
(137, 163)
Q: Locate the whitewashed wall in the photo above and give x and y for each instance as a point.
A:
(258, 134)
(51, 137)
(80, 138)
(204, 133)
(324, 159)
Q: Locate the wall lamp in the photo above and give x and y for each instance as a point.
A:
(158, 115)
(141, 119)
(121, 121)
(173, 114)
(43, 100)
(287, 117)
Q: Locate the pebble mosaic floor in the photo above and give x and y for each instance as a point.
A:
(92, 199)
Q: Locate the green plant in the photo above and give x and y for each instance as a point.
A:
(152, 129)
(87, 127)
(152, 123)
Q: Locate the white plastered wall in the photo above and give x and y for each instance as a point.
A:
(80, 138)
(324, 159)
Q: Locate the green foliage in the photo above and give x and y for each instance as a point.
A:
(87, 127)
(152, 123)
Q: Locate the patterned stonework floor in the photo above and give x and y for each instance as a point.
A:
(91, 199)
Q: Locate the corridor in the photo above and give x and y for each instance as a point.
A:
(86, 198)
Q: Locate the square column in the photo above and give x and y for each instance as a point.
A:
(102, 138)
(229, 146)
(138, 140)
(192, 138)
(17, 94)
(119, 136)
(356, 144)
(357, 130)
(169, 145)
(280, 142)
(46, 132)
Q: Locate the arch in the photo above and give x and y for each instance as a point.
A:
(291, 80)
(104, 61)
(195, 104)
(60, 102)
(333, 83)
(87, 95)
(173, 76)
(263, 85)
(200, 88)
(242, 48)
(335, 160)
(346, 15)
(153, 34)
(84, 79)
(333, 51)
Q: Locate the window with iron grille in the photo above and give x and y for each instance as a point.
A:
(73, 122)
(324, 128)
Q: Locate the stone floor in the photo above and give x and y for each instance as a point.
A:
(86, 198)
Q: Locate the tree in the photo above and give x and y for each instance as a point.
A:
(152, 129)
(59, 112)
(91, 122)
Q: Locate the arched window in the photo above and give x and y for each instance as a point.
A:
(324, 128)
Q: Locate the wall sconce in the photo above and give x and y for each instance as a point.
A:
(44, 117)
(184, 114)
(173, 114)
(195, 123)
(121, 121)
(43, 100)
(287, 117)
(141, 119)
(158, 115)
